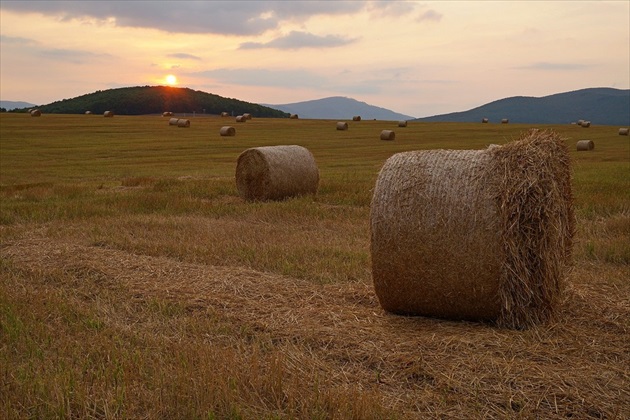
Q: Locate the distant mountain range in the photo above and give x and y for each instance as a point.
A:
(9, 105)
(339, 107)
(604, 106)
(142, 100)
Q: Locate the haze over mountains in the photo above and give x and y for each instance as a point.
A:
(9, 105)
(601, 106)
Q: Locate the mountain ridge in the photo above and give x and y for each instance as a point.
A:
(339, 107)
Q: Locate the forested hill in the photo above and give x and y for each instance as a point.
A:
(603, 106)
(143, 100)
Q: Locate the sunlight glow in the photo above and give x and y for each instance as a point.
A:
(170, 80)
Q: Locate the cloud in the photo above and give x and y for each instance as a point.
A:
(220, 17)
(14, 40)
(184, 56)
(554, 66)
(296, 40)
(71, 56)
(430, 15)
(264, 77)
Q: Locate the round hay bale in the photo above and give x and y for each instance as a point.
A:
(484, 120)
(294, 116)
(356, 118)
(225, 114)
(241, 118)
(585, 124)
(474, 234)
(183, 123)
(36, 113)
(167, 114)
(108, 114)
(276, 173)
(247, 116)
(388, 135)
(402, 123)
(623, 131)
(88, 112)
(173, 121)
(505, 121)
(227, 131)
(580, 122)
(585, 145)
(342, 126)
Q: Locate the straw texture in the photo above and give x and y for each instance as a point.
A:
(474, 234)
(276, 173)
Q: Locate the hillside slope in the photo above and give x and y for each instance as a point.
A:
(339, 107)
(142, 100)
(603, 106)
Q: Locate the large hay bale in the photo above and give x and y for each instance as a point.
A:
(342, 126)
(402, 123)
(173, 121)
(505, 121)
(183, 123)
(108, 114)
(388, 135)
(484, 120)
(585, 124)
(227, 131)
(356, 118)
(36, 113)
(474, 234)
(585, 145)
(276, 173)
(241, 118)
(623, 131)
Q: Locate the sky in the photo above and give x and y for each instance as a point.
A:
(418, 58)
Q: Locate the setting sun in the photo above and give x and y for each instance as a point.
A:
(171, 80)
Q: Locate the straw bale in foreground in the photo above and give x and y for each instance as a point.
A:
(388, 135)
(623, 131)
(227, 131)
(583, 145)
(342, 126)
(276, 173)
(474, 234)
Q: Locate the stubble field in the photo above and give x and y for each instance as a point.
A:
(136, 283)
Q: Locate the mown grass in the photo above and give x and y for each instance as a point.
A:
(78, 342)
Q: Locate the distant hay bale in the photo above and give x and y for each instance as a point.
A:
(276, 173)
(88, 112)
(108, 114)
(402, 123)
(580, 122)
(294, 116)
(225, 114)
(585, 145)
(505, 121)
(167, 114)
(623, 131)
(585, 124)
(356, 118)
(475, 234)
(241, 118)
(173, 121)
(342, 126)
(247, 116)
(36, 113)
(484, 120)
(183, 123)
(388, 135)
(227, 131)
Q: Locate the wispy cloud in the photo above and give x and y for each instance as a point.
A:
(430, 15)
(543, 65)
(184, 56)
(296, 40)
(72, 56)
(15, 40)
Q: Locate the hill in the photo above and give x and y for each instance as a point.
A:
(339, 107)
(143, 100)
(9, 105)
(603, 106)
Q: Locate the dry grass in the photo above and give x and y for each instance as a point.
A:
(136, 283)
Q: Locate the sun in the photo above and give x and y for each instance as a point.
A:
(170, 80)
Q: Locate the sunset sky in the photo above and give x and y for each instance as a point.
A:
(419, 58)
